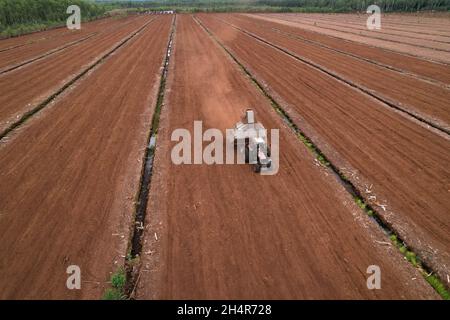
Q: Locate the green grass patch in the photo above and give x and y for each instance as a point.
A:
(438, 286)
(434, 281)
(411, 257)
(113, 294)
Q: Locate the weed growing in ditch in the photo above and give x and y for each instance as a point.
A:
(415, 261)
(438, 286)
(118, 281)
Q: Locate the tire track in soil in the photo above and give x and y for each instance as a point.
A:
(443, 47)
(13, 59)
(382, 31)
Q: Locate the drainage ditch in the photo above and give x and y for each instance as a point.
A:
(135, 249)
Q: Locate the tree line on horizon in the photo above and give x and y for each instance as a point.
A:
(23, 16)
(361, 5)
(289, 5)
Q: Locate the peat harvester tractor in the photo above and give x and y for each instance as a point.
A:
(250, 138)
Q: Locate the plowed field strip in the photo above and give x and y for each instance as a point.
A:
(375, 62)
(392, 59)
(41, 81)
(402, 23)
(399, 167)
(390, 27)
(51, 35)
(137, 234)
(232, 233)
(18, 62)
(393, 35)
(427, 44)
(69, 179)
(406, 49)
(13, 58)
(431, 22)
(428, 103)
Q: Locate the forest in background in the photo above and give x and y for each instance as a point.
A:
(24, 16)
(283, 5)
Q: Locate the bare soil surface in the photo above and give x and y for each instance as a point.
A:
(400, 166)
(63, 40)
(70, 176)
(51, 34)
(224, 232)
(407, 36)
(405, 63)
(423, 99)
(406, 48)
(41, 79)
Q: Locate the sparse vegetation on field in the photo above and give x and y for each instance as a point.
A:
(118, 281)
